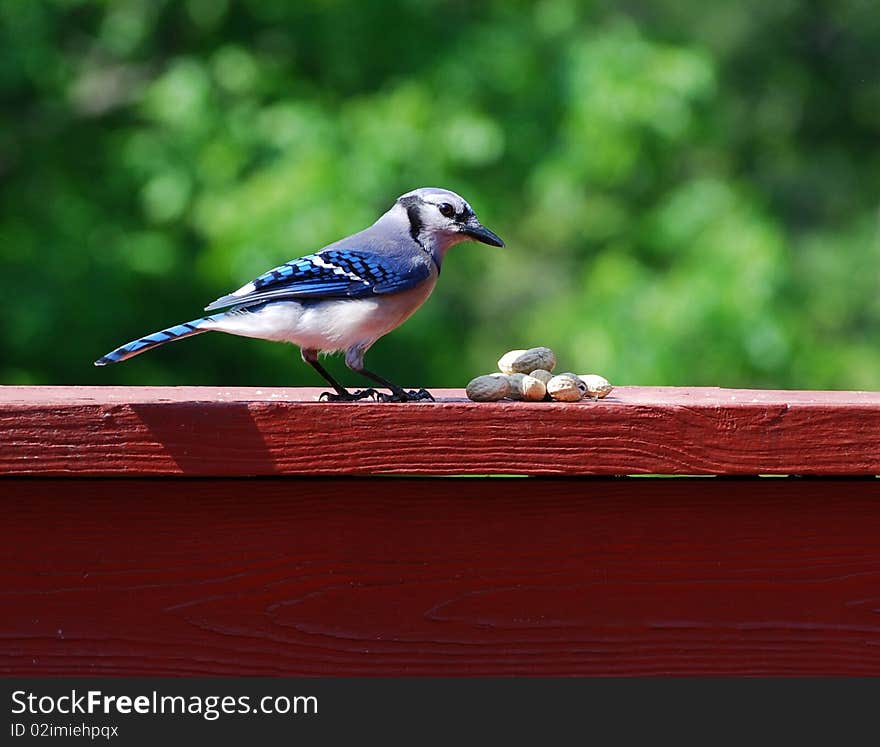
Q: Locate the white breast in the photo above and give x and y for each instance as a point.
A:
(326, 325)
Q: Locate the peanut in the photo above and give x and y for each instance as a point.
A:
(489, 388)
(526, 361)
(525, 387)
(597, 386)
(566, 387)
(542, 375)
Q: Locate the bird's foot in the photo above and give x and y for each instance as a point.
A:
(411, 396)
(348, 396)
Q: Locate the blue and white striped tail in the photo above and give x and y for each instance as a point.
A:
(142, 345)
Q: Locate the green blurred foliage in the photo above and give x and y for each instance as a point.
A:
(688, 190)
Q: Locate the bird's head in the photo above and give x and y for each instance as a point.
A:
(439, 219)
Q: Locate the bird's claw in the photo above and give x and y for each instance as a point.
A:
(402, 396)
(410, 396)
(421, 394)
(348, 396)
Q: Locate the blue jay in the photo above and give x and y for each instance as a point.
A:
(347, 295)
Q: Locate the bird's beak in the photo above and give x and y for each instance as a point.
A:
(479, 232)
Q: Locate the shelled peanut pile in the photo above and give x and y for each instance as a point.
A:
(527, 375)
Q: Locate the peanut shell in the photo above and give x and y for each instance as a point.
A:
(526, 361)
(597, 386)
(514, 381)
(566, 388)
(525, 387)
(542, 375)
(489, 388)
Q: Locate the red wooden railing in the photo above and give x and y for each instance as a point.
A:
(113, 564)
(208, 431)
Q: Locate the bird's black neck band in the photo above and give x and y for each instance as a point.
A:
(415, 225)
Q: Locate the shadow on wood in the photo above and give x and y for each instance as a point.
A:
(193, 435)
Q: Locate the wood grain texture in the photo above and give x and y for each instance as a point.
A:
(440, 577)
(237, 432)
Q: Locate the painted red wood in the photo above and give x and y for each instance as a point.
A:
(440, 577)
(235, 432)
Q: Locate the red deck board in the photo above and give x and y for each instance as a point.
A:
(209, 431)
(440, 577)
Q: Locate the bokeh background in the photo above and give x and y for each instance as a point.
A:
(688, 189)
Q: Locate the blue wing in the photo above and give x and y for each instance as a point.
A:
(335, 273)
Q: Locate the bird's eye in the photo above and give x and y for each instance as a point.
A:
(446, 210)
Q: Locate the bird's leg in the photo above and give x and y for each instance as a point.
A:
(354, 359)
(342, 394)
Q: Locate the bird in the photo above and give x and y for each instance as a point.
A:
(345, 296)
